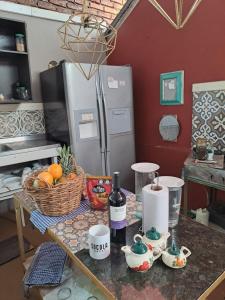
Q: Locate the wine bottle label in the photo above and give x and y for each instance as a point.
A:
(118, 217)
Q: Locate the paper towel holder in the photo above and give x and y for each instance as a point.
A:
(156, 187)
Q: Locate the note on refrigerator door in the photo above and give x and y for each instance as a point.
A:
(112, 83)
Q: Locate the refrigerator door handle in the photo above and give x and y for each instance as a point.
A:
(105, 121)
(107, 152)
(101, 128)
(100, 117)
(108, 169)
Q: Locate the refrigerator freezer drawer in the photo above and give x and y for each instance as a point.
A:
(119, 120)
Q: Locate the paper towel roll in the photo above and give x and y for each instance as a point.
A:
(155, 211)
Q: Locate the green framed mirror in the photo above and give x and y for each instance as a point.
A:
(172, 88)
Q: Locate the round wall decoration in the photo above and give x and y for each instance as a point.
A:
(169, 128)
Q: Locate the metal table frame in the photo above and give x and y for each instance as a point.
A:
(75, 260)
(210, 183)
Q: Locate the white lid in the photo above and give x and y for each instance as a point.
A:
(145, 167)
(170, 181)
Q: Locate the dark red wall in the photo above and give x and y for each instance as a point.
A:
(152, 46)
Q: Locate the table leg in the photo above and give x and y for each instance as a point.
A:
(185, 198)
(22, 216)
(19, 229)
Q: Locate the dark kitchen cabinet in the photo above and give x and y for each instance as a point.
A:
(14, 65)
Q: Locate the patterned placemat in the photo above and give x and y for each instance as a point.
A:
(42, 222)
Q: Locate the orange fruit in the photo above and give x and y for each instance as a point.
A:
(39, 184)
(56, 171)
(71, 176)
(62, 180)
(45, 177)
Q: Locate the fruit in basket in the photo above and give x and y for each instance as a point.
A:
(62, 180)
(39, 184)
(66, 160)
(46, 177)
(71, 176)
(56, 171)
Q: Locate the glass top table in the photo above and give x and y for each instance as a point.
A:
(204, 271)
(204, 267)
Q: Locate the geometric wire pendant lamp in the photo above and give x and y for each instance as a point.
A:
(87, 38)
(180, 19)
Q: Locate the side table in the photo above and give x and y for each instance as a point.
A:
(202, 174)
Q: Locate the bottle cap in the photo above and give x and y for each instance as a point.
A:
(116, 181)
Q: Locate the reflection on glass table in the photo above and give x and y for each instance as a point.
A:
(75, 286)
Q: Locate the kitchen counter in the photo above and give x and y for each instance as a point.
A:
(205, 266)
(27, 150)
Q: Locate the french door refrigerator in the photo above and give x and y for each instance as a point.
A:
(94, 116)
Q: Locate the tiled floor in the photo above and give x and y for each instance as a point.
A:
(11, 273)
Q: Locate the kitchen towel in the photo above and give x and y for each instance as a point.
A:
(47, 266)
(42, 222)
(155, 211)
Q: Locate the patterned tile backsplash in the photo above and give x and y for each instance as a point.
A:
(208, 115)
(21, 123)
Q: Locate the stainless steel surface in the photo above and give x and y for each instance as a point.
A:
(106, 144)
(81, 97)
(106, 136)
(23, 138)
(120, 147)
(100, 114)
(101, 126)
(122, 95)
(16, 101)
(25, 146)
(4, 148)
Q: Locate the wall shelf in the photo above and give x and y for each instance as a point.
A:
(14, 65)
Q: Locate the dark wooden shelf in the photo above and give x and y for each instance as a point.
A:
(12, 52)
(14, 65)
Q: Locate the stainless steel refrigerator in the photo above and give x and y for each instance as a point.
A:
(94, 116)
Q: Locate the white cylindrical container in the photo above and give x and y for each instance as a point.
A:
(174, 185)
(99, 241)
(202, 216)
(155, 208)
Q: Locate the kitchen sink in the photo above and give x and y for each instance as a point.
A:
(4, 148)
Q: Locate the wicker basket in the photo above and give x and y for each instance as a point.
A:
(56, 200)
